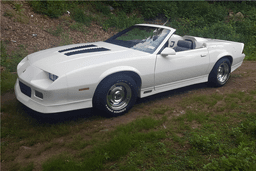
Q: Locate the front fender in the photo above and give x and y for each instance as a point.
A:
(117, 69)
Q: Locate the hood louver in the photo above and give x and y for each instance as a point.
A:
(86, 51)
(78, 47)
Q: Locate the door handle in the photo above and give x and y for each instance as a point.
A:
(203, 55)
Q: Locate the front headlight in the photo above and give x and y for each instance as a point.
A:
(52, 77)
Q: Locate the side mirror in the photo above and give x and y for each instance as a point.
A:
(168, 51)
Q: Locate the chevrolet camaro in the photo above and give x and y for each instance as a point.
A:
(110, 75)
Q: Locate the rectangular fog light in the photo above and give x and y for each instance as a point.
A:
(39, 94)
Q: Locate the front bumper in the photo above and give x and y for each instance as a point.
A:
(40, 105)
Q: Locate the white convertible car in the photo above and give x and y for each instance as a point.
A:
(140, 61)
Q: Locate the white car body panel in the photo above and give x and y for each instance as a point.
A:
(182, 67)
(79, 74)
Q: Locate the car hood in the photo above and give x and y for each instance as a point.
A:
(64, 59)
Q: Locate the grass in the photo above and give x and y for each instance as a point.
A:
(9, 62)
(160, 110)
(56, 32)
(79, 143)
(77, 27)
(7, 81)
(201, 138)
(16, 14)
(65, 39)
(17, 166)
(117, 147)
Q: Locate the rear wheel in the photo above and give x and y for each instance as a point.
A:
(220, 73)
(115, 95)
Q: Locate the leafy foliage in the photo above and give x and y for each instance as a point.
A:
(100, 7)
(202, 19)
(53, 9)
(79, 16)
(121, 21)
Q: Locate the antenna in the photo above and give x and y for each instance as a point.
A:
(166, 22)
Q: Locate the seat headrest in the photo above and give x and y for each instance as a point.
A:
(185, 44)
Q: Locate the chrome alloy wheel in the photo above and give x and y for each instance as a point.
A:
(223, 73)
(119, 96)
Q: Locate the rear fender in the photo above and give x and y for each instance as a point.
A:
(214, 58)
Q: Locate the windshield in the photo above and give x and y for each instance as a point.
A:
(143, 38)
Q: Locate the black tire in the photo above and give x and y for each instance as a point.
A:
(220, 73)
(115, 95)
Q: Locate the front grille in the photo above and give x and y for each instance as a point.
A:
(25, 89)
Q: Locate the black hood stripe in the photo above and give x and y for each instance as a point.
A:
(78, 47)
(86, 51)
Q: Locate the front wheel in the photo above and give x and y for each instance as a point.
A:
(116, 94)
(220, 73)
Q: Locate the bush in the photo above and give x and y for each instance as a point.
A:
(53, 9)
(121, 21)
(219, 30)
(79, 16)
(212, 13)
(125, 6)
(150, 10)
(100, 7)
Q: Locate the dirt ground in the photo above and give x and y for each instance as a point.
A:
(18, 29)
(16, 33)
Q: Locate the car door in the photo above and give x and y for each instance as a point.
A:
(182, 69)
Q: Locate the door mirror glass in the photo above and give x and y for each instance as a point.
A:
(168, 51)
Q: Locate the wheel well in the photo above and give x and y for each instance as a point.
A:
(229, 58)
(134, 76)
(131, 74)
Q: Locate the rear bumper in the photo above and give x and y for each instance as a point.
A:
(38, 106)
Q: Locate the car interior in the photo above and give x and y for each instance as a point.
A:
(184, 43)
